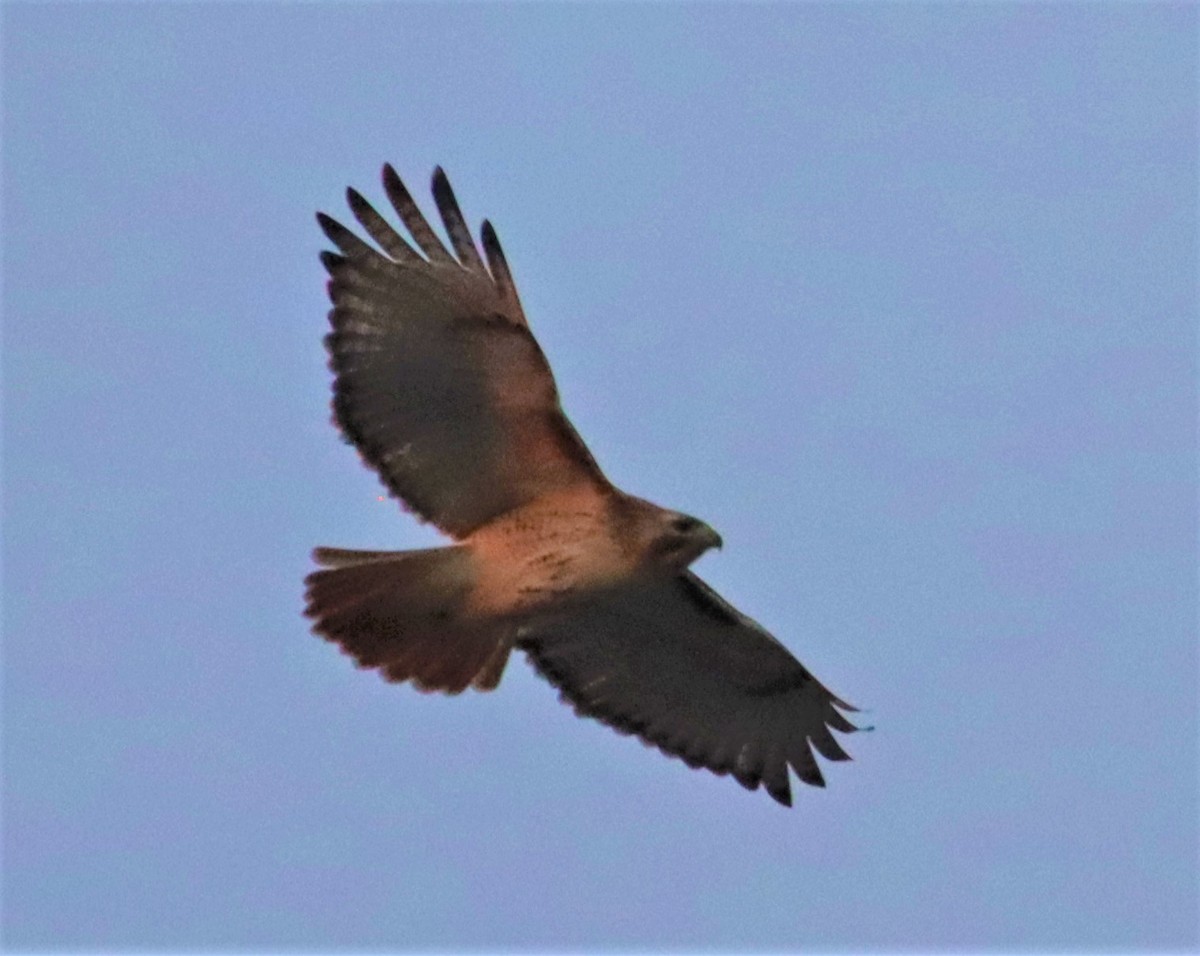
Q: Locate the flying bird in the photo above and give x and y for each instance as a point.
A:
(441, 386)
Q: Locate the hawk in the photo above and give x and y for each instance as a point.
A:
(441, 386)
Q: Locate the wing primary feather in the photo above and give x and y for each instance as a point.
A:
(345, 240)
(456, 226)
(826, 745)
(412, 217)
(332, 261)
(775, 774)
(800, 756)
(838, 722)
(498, 266)
(389, 240)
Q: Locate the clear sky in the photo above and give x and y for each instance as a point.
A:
(900, 298)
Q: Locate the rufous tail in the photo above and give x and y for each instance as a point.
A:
(404, 613)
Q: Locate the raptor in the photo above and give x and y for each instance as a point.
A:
(441, 386)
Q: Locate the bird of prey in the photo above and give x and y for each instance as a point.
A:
(441, 386)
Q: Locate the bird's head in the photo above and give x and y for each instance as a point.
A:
(681, 539)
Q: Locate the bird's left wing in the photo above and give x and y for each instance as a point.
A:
(672, 662)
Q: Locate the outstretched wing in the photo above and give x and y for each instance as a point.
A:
(438, 380)
(672, 662)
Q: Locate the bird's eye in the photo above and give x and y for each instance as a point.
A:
(684, 524)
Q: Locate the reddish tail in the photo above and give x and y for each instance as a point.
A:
(403, 612)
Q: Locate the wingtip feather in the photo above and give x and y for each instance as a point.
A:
(412, 217)
(781, 796)
(455, 223)
(327, 223)
(330, 260)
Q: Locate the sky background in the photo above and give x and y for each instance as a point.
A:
(900, 298)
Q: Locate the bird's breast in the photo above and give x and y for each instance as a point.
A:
(544, 551)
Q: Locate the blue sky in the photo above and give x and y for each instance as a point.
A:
(900, 298)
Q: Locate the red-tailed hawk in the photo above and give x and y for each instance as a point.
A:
(443, 389)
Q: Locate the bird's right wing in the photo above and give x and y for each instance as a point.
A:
(438, 381)
(669, 660)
